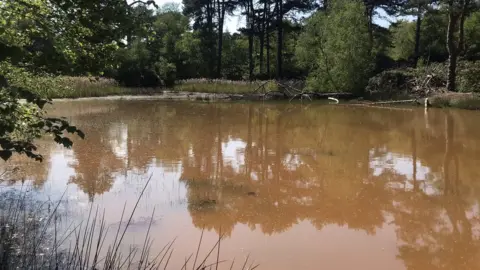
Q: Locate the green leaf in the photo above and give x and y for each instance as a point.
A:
(80, 134)
(71, 129)
(5, 154)
(66, 142)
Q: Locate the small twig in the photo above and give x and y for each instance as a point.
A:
(261, 86)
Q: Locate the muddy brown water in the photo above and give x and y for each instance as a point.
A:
(293, 186)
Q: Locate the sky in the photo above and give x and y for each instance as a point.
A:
(236, 21)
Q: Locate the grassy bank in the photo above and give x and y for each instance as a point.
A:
(79, 87)
(429, 81)
(468, 101)
(390, 85)
(223, 86)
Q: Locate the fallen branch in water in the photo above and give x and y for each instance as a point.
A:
(334, 99)
(379, 104)
(394, 101)
(377, 107)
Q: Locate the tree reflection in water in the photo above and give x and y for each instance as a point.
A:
(273, 166)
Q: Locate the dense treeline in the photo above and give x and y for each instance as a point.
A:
(333, 45)
(336, 44)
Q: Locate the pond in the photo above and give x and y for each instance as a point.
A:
(293, 186)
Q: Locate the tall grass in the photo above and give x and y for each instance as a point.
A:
(221, 86)
(469, 101)
(78, 87)
(34, 236)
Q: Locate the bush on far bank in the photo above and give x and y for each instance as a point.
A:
(425, 80)
(469, 77)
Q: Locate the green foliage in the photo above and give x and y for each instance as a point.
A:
(432, 39)
(137, 67)
(190, 62)
(48, 86)
(235, 57)
(390, 84)
(472, 36)
(401, 83)
(403, 36)
(158, 53)
(335, 49)
(59, 36)
(21, 122)
(381, 47)
(469, 101)
(42, 84)
(407, 82)
(469, 77)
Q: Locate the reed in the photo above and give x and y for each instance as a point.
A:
(220, 86)
(31, 237)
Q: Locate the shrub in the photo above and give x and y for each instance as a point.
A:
(136, 68)
(408, 82)
(41, 84)
(436, 71)
(167, 71)
(132, 74)
(469, 77)
(390, 84)
(470, 101)
(22, 115)
(337, 64)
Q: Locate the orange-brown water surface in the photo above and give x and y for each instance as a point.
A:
(293, 186)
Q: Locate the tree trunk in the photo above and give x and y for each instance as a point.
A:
(262, 37)
(129, 39)
(267, 45)
(461, 36)
(211, 49)
(221, 19)
(417, 35)
(250, 22)
(452, 72)
(220, 48)
(451, 46)
(279, 39)
(262, 44)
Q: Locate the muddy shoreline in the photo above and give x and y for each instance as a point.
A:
(174, 95)
(470, 101)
